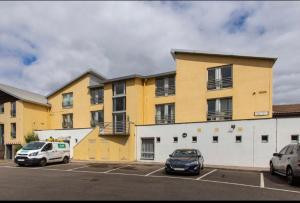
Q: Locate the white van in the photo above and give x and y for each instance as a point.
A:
(41, 153)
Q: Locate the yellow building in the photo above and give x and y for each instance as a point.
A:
(21, 112)
(204, 87)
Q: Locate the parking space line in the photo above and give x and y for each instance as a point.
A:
(206, 174)
(262, 181)
(116, 169)
(154, 171)
(77, 168)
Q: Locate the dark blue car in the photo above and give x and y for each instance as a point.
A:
(188, 161)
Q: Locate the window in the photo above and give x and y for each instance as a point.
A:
(13, 109)
(147, 152)
(215, 139)
(96, 95)
(165, 86)
(238, 139)
(1, 108)
(48, 147)
(289, 150)
(119, 104)
(219, 109)
(119, 88)
(283, 150)
(1, 134)
(165, 114)
(67, 121)
(219, 77)
(295, 138)
(119, 122)
(67, 100)
(175, 139)
(158, 139)
(194, 139)
(13, 130)
(264, 138)
(96, 118)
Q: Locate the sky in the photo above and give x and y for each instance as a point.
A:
(45, 44)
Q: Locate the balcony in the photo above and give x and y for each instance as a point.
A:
(219, 84)
(219, 116)
(167, 119)
(161, 91)
(67, 124)
(112, 128)
(96, 100)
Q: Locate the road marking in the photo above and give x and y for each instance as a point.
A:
(116, 169)
(77, 168)
(262, 181)
(201, 180)
(206, 174)
(155, 171)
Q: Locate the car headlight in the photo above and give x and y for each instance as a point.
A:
(193, 163)
(34, 154)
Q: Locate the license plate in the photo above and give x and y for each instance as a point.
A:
(21, 159)
(179, 169)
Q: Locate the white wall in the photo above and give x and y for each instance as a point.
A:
(251, 152)
(74, 135)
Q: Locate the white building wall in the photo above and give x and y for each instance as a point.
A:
(251, 152)
(74, 135)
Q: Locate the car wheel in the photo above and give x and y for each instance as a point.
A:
(272, 169)
(66, 160)
(20, 165)
(202, 166)
(290, 176)
(43, 162)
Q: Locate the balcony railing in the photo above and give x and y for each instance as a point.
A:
(216, 116)
(112, 128)
(96, 100)
(67, 124)
(223, 83)
(167, 119)
(161, 91)
(67, 104)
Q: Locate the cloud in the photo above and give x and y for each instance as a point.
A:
(45, 44)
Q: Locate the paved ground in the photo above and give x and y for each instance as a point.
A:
(82, 181)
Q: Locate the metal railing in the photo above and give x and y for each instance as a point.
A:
(67, 124)
(67, 104)
(162, 91)
(223, 83)
(112, 128)
(96, 100)
(216, 116)
(167, 119)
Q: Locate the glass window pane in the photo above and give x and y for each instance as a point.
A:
(226, 72)
(119, 104)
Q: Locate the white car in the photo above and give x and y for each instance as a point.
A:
(41, 153)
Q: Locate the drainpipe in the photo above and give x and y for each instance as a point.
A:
(276, 135)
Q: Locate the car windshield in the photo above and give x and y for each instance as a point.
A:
(185, 153)
(33, 145)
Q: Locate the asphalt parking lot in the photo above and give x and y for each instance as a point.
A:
(102, 181)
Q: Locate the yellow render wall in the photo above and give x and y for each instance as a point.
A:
(81, 109)
(248, 76)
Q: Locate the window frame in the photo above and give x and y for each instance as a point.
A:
(295, 141)
(71, 119)
(100, 91)
(70, 105)
(215, 141)
(267, 141)
(236, 139)
(167, 88)
(13, 133)
(175, 139)
(218, 78)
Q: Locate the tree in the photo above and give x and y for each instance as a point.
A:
(31, 137)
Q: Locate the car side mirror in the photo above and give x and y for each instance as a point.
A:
(199, 156)
(276, 154)
(170, 155)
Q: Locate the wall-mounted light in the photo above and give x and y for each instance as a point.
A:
(184, 134)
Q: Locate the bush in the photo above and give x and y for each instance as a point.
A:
(31, 137)
(17, 148)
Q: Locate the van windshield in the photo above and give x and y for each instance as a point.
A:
(33, 146)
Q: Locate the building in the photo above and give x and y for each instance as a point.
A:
(21, 112)
(203, 87)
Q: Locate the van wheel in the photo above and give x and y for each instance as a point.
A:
(272, 169)
(66, 160)
(43, 162)
(290, 176)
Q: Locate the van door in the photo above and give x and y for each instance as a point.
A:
(50, 152)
